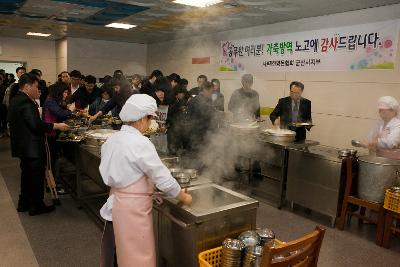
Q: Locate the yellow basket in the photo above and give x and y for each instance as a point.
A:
(213, 257)
(392, 201)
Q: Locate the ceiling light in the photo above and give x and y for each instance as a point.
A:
(198, 3)
(121, 26)
(39, 34)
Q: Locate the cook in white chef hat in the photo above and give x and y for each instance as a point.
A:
(138, 106)
(388, 102)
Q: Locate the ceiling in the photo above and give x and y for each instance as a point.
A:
(157, 20)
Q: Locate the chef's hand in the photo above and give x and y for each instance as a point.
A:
(185, 198)
(371, 144)
(277, 122)
(60, 126)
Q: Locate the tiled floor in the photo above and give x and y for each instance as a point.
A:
(68, 237)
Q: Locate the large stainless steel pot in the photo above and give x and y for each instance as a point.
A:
(98, 137)
(375, 175)
(279, 135)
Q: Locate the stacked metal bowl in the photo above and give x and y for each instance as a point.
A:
(252, 257)
(267, 237)
(232, 252)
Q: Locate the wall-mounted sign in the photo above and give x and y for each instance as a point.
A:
(366, 46)
(201, 60)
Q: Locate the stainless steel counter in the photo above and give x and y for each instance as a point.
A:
(273, 163)
(216, 213)
(315, 179)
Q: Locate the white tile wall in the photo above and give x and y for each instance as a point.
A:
(39, 54)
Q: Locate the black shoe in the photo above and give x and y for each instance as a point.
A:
(40, 210)
(61, 191)
(23, 207)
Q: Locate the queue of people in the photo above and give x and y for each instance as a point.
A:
(130, 164)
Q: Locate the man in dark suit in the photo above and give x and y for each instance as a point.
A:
(200, 81)
(292, 109)
(27, 132)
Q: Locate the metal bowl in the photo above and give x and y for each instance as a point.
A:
(175, 171)
(250, 238)
(233, 244)
(191, 172)
(182, 178)
(344, 153)
(267, 236)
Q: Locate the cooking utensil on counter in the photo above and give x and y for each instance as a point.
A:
(175, 171)
(99, 136)
(356, 143)
(307, 125)
(192, 173)
(280, 135)
(182, 178)
(344, 153)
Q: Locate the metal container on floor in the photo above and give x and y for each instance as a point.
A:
(216, 213)
(375, 175)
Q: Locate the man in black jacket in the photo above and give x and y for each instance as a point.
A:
(87, 94)
(27, 132)
(201, 115)
(292, 109)
(200, 81)
(148, 86)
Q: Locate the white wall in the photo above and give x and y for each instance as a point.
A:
(61, 55)
(344, 102)
(99, 58)
(38, 54)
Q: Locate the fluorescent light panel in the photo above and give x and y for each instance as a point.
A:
(38, 34)
(198, 3)
(121, 26)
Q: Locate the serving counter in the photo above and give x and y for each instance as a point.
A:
(315, 179)
(216, 213)
(273, 162)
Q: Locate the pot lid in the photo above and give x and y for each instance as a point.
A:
(280, 132)
(379, 160)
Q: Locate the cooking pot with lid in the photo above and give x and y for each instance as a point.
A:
(279, 135)
(375, 175)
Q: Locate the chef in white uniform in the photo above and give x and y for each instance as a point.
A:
(131, 166)
(385, 137)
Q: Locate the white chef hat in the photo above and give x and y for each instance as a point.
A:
(138, 106)
(388, 102)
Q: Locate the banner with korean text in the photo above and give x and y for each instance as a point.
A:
(366, 46)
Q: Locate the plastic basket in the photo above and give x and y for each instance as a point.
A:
(213, 257)
(392, 201)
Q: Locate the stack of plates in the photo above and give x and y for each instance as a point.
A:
(252, 257)
(232, 253)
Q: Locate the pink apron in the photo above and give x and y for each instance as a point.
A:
(133, 224)
(388, 153)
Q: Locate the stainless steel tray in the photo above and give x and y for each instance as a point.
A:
(211, 201)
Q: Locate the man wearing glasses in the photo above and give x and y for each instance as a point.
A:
(291, 110)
